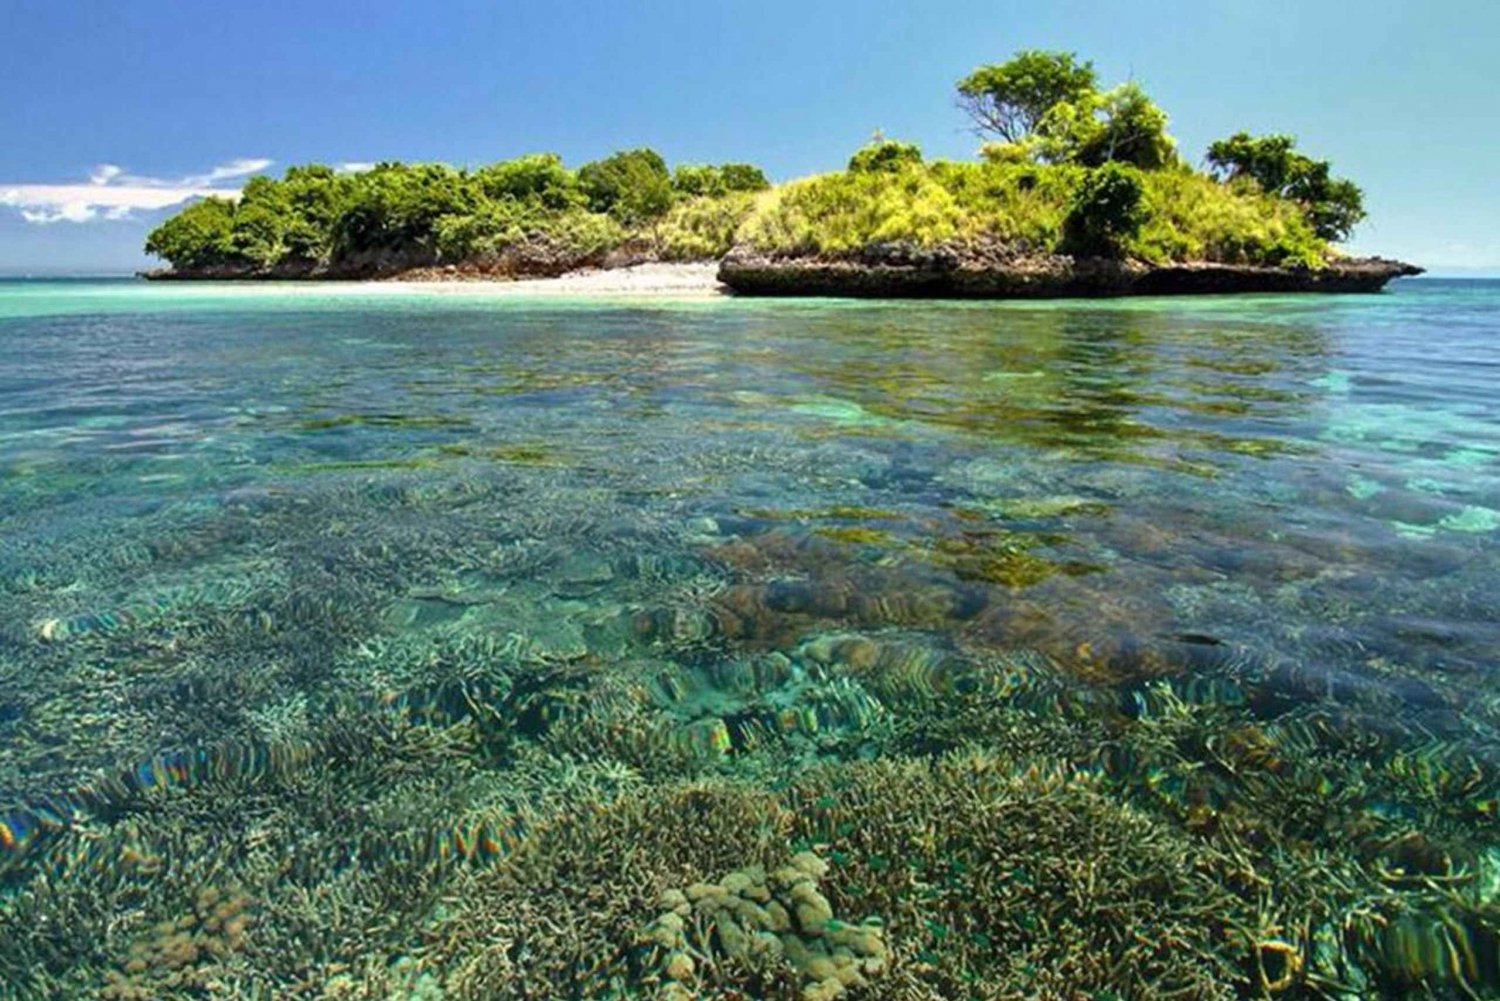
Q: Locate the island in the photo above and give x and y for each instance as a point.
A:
(1077, 191)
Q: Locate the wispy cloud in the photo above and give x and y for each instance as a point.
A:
(354, 166)
(111, 193)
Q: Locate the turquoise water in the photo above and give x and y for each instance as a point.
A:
(388, 644)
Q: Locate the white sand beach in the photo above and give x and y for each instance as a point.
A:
(656, 280)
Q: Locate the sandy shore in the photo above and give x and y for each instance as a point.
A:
(674, 281)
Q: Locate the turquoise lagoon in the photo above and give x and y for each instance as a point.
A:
(433, 644)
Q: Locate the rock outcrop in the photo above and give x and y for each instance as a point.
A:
(537, 258)
(977, 272)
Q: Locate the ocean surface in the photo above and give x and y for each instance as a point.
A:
(407, 644)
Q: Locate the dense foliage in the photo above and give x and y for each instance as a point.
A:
(1008, 100)
(633, 185)
(717, 181)
(1333, 205)
(403, 215)
(1076, 170)
(1046, 107)
(1108, 208)
(1026, 208)
(884, 156)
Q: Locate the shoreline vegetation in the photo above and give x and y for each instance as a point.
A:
(1078, 191)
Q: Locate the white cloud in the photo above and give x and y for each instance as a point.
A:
(113, 194)
(242, 167)
(353, 166)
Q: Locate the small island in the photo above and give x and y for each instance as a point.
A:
(1078, 191)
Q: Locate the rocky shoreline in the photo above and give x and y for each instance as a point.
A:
(879, 272)
(533, 259)
(957, 273)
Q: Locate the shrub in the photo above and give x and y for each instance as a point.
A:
(743, 177)
(837, 213)
(632, 185)
(1036, 208)
(1194, 218)
(1006, 152)
(717, 181)
(701, 228)
(1107, 210)
(885, 155)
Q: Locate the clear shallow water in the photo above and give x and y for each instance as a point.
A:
(346, 608)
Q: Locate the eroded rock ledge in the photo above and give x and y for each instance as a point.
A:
(960, 273)
(531, 259)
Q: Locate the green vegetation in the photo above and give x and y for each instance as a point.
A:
(1333, 205)
(1046, 107)
(533, 212)
(1027, 208)
(706, 179)
(1070, 168)
(885, 156)
(1107, 210)
(1009, 100)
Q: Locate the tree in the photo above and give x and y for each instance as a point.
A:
(1107, 209)
(260, 222)
(886, 156)
(396, 206)
(632, 185)
(256, 236)
(197, 236)
(696, 180)
(1333, 205)
(538, 178)
(1122, 125)
(1008, 100)
(743, 177)
(317, 195)
(1133, 130)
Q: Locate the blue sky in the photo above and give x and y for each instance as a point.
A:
(154, 99)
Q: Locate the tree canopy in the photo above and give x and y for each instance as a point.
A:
(434, 213)
(1333, 204)
(884, 156)
(1008, 100)
(1046, 107)
(1074, 169)
(632, 185)
(695, 179)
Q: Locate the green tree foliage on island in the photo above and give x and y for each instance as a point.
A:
(1046, 107)
(632, 185)
(198, 236)
(1107, 210)
(1077, 170)
(1009, 100)
(402, 214)
(885, 156)
(716, 181)
(1333, 205)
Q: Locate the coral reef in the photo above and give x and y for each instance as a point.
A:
(1009, 640)
(749, 917)
(183, 953)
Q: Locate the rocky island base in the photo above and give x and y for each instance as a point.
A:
(955, 275)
